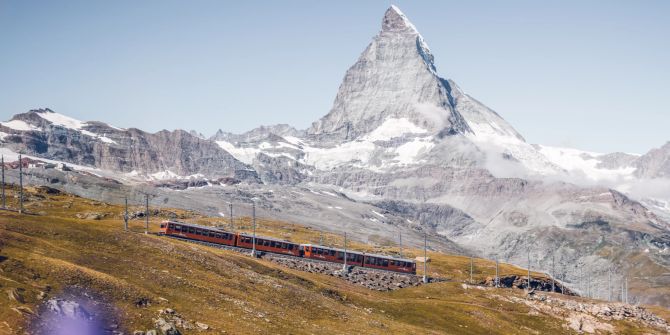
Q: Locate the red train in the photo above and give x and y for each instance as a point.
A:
(266, 244)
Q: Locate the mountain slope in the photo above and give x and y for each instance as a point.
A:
(394, 77)
(123, 280)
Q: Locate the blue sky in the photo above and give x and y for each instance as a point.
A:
(588, 74)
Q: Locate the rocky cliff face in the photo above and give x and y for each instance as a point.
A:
(655, 163)
(394, 77)
(44, 133)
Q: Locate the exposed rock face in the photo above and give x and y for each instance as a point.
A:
(258, 134)
(99, 145)
(655, 163)
(394, 77)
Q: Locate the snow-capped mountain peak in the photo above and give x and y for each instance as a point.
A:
(395, 20)
(393, 78)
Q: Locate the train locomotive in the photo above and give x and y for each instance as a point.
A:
(272, 245)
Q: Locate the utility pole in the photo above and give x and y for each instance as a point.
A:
(497, 281)
(553, 274)
(320, 238)
(230, 205)
(20, 185)
(425, 257)
(400, 244)
(146, 215)
(344, 267)
(125, 217)
(4, 202)
(253, 217)
(471, 261)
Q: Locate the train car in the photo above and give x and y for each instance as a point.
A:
(388, 263)
(268, 244)
(197, 232)
(329, 254)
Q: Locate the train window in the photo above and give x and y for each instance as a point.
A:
(340, 255)
(191, 230)
(171, 226)
(332, 252)
(217, 235)
(385, 262)
(266, 243)
(212, 234)
(177, 228)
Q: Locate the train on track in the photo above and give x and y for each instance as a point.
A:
(266, 244)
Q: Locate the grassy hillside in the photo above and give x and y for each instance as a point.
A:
(55, 254)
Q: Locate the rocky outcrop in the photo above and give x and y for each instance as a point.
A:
(588, 317)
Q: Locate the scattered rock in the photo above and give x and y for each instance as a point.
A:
(202, 326)
(90, 216)
(166, 328)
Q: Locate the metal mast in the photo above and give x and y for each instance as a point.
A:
(230, 205)
(20, 185)
(125, 217)
(425, 257)
(344, 267)
(4, 202)
(253, 217)
(497, 282)
(146, 215)
(400, 244)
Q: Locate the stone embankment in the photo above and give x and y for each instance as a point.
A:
(373, 279)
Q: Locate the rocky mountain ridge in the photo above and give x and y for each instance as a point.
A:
(401, 148)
